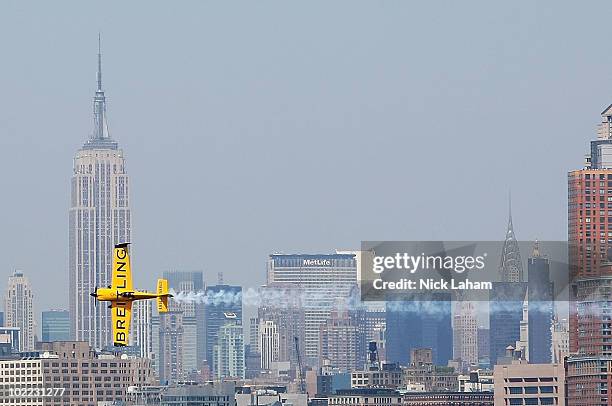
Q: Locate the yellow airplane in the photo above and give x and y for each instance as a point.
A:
(121, 294)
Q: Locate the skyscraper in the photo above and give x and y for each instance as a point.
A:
(99, 218)
(511, 266)
(141, 332)
(169, 334)
(505, 316)
(522, 344)
(223, 300)
(285, 310)
(324, 280)
(178, 336)
(590, 239)
(193, 315)
(340, 342)
(55, 325)
(588, 369)
(541, 308)
(268, 343)
(18, 308)
(228, 352)
(465, 333)
(420, 325)
(254, 335)
(483, 344)
(507, 297)
(560, 340)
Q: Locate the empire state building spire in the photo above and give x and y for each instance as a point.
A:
(100, 136)
(100, 124)
(99, 75)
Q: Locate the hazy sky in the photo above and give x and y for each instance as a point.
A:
(255, 127)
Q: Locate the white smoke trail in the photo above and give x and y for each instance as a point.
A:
(285, 298)
(273, 297)
(288, 297)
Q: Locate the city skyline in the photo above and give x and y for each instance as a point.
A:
(364, 203)
(205, 152)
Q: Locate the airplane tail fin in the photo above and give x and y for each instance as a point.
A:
(162, 299)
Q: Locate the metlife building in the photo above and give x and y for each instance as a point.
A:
(325, 281)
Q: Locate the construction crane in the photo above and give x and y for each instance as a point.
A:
(299, 359)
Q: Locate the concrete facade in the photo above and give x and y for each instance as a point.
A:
(529, 384)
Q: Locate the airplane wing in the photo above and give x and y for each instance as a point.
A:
(122, 315)
(122, 272)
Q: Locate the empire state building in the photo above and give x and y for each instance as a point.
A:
(99, 218)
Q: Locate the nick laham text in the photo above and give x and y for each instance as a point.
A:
(431, 284)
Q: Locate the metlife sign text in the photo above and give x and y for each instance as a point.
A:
(316, 262)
